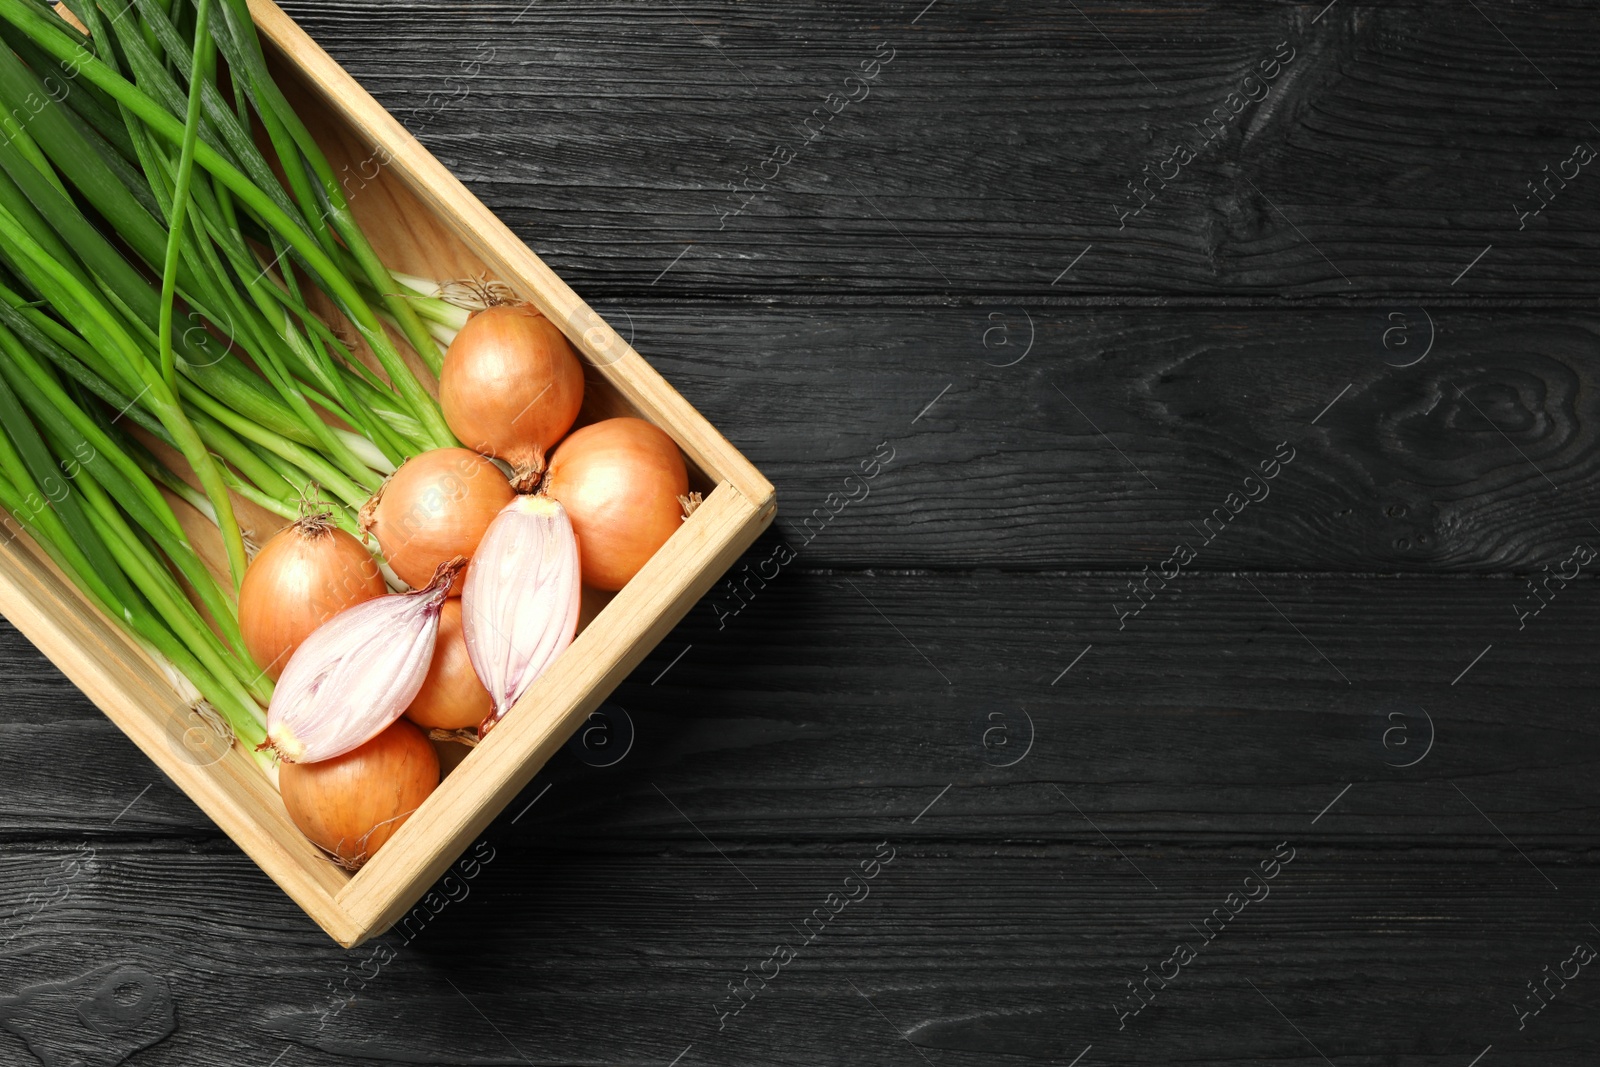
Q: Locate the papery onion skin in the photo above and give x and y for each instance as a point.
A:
(620, 480)
(452, 697)
(511, 385)
(434, 508)
(522, 600)
(357, 673)
(305, 575)
(351, 804)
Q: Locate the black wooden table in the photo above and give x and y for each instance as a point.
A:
(1177, 642)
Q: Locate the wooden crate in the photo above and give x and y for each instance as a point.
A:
(423, 221)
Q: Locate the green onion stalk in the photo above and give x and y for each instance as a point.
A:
(156, 288)
(101, 522)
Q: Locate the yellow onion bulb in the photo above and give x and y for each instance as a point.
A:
(452, 697)
(434, 508)
(351, 804)
(308, 573)
(511, 386)
(620, 481)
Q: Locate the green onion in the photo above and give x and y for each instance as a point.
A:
(157, 281)
(180, 198)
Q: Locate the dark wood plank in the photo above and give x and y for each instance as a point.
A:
(1001, 140)
(1228, 705)
(1388, 957)
(1118, 433)
(1180, 750)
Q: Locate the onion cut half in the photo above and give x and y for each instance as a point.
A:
(357, 673)
(519, 609)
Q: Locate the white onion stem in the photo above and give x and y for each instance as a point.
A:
(366, 452)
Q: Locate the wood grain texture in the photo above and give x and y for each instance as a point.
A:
(1000, 142)
(856, 692)
(783, 747)
(1112, 434)
(1386, 957)
(1270, 694)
